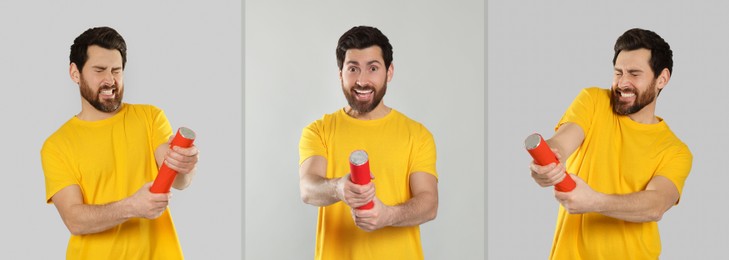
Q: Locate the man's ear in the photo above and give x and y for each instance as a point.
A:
(74, 73)
(663, 78)
(390, 72)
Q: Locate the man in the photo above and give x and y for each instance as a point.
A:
(99, 165)
(401, 157)
(628, 166)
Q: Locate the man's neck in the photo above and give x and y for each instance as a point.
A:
(647, 115)
(90, 113)
(379, 112)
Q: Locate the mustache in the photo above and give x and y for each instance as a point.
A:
(112, 87)
(625, 90)
(363, 88)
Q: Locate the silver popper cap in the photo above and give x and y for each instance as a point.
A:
(532, 141)
(187, 133)
(358, 157)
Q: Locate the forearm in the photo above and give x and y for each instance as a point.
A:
(183, 180)
(318, 191)
(642, 206)
(417, 210)
(88, 219)
(567, 139)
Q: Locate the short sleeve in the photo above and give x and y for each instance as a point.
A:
(56, 169)
(425, 154)
(161, 129)
(312, 142)
(677, 167)
(582, 110)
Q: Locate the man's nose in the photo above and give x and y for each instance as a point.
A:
(109, 79)
(362, 81)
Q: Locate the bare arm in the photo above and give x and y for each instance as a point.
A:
(320, 191)
(421, 208)
(643, 206)
(315, 188)
(648, 205)
(81, 219)
(565, 141)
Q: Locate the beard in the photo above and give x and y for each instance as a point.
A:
(107, 105)
(365, 106)
(641, 100)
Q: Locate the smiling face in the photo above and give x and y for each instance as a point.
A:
(364, 79)
(101, 79)
(634, 86)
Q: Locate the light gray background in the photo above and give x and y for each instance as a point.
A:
(542, 53)
(292, 79)
(183, 56)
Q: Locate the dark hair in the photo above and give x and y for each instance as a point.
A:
(636, 38)
(360, 37)
(104, 37)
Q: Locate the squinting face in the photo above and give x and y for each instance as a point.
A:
(101, 79)
(364, 78)
(634, 86)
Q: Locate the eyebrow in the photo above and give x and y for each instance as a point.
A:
(104, 67)
(368, 63)
(629, 71)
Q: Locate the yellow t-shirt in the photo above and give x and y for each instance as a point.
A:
(397, 146)
(110, 160)
(618, 156)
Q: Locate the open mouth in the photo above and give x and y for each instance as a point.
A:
(626, 93)
(107, 93)
(363, 94)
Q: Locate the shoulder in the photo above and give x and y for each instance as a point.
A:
(144, 108)
(595, 93)
(591, 101)
(676, 144)
(410, 123)
(62, 135)
(325, 120)
(145, 112)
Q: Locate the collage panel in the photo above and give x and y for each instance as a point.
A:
(635, 90)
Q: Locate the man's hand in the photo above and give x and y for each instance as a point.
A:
(548, 175)
(420, 208)
(582, 199)
(373, 219)
(352, 194)
(145, 204)
(182, 160)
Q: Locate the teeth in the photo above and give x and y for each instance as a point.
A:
(363, 91)
(627, 94)
(107, 91)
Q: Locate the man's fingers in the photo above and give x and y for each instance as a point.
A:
(191, 151)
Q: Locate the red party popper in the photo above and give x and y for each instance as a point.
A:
(537, 147)
(359, 165)
(166, 176)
